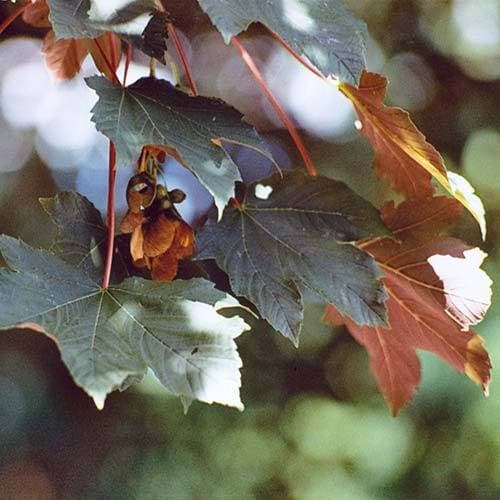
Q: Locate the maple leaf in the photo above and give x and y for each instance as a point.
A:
(106, 53)
(64, 57)
(192, 128)
(325, 32)
(278, 246)
(137, 21)
(436, 291)
(81, 237)
(109, 337)
(402, 155)
(37, 14)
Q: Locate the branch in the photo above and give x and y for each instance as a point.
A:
(110, 216)
(276, 105)
(183, 58)
(10, 19)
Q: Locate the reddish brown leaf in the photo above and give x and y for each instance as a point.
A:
(402, 155)
(37, 14)
(106, 52)
(64, 57)
(436, 291)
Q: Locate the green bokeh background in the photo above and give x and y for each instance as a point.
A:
(315, 426)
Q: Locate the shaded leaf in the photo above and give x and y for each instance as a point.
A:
(137, 21)
(403, 156)
(153, 39)
(69, 19)
(278, 246)
(64, 57)
(37, 14)
(436, 291)
(107, 337)
(154, 112)
(105, 49)
(81, 235)
(324, 31)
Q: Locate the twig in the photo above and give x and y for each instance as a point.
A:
(110, 216)
(276, 105)
(10, 19)
(183, 58)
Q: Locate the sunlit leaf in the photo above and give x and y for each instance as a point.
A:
(436, 291)
(403, 156)
(296, 240)
(107, 337)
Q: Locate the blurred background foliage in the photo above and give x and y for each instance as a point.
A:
(315, 426)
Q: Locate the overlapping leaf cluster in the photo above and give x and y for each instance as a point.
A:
(396, 282)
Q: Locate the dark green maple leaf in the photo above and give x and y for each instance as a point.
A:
(322, 30)
(277, 247)
(152, 111)
(81, 237)
(108, 338)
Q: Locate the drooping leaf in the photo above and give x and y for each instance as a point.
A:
(436, 291)
(324, 31)
(154, 112)
(109, 337)
(403, 156)
(153, 39)
(295, 240)
(64, 57)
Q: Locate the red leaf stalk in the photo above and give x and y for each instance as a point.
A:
(110, 216)
(107, 61)
(299, 58)
(128, 58)
(10, 19)
(114, 53)
(183, 58)
(277, 106)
